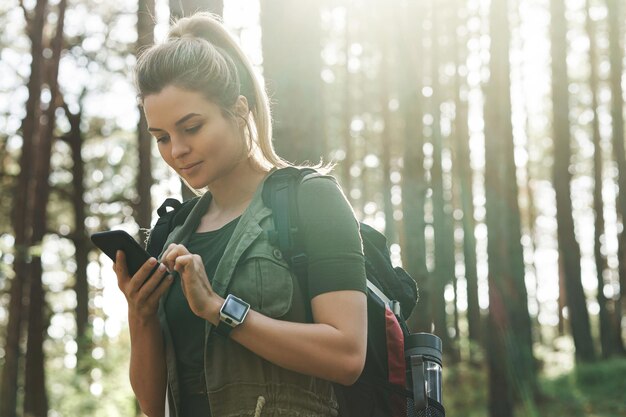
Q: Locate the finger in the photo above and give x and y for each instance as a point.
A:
(173, 252)
(183, 262)
(152, 282)
(120, 268)
(162, 287)
(142, 274)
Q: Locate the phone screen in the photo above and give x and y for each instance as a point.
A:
(113, 240)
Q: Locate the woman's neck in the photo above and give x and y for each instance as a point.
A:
(233, 192)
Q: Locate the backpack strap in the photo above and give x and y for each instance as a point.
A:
(167, 221)
(280, 193)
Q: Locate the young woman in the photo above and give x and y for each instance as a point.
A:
(229, 336)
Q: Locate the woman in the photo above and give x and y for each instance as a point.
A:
(193, 340)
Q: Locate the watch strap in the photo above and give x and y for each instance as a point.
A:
(224, 329)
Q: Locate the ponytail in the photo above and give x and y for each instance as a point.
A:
(201, 55)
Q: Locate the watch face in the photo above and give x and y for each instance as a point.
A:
(235, 308)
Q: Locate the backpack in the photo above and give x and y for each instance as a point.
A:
(392, 294)
(167, 221)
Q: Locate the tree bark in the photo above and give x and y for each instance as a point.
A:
(598, 205)
(181, 8)
(511, 364)
(414, 182)
(35, 396)
(616, 48)
(465, 179)
(143, 216)
(568, 246)
(79, 239)
(444, 246)
(387, 133)
(348, 160)
(23, 233)
(291, 67)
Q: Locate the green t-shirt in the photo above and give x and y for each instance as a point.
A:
(186, 328)
(331, 240)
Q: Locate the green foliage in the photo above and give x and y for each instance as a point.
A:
(101, 391)
(595, 389)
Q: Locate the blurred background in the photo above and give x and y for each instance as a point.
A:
(484, 138)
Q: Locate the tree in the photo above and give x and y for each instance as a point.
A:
(605, 324)
(291, 67)
(386, 136)
(414, 182)
(616, 49)
(442, 214)
(79, 236)
(511, 364)
(35, 397)
(464, 178)
(19, 285)
(181, 8)
(145, 37)
(569, 251)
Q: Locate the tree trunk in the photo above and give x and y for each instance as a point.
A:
(414, 182)
(80, 240)
(598, 205)
(35, 396)
(444, 250)
(143, 216)
(568, 246)
(387, 133)
(616, 48)
(348, 160)
(181, 8)
(22, 231)
(465, 178)
(511, 364)
(291, 67)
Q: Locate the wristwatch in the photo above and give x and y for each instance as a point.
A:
(232, 314)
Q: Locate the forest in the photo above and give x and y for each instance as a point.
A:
(484, 138)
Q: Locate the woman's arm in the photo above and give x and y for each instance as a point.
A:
(148, 374)
(332, 348)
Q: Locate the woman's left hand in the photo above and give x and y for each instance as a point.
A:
(194, 281)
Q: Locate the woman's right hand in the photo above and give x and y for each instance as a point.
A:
(142, 293)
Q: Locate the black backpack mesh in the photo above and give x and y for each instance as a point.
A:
(434, 409)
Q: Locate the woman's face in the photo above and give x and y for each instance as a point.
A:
(193, 136)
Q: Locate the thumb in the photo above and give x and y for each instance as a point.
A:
(182, 262)
(119, 266)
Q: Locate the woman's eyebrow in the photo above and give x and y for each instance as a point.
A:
(182, 120)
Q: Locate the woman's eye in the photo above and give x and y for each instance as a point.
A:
(162, 139)
(193, 129)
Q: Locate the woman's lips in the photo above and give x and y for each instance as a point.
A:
(189, 168)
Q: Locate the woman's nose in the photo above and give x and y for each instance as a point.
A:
(179, 147)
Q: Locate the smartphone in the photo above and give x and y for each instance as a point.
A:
(113, 240)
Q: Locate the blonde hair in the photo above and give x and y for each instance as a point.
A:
(201, 55)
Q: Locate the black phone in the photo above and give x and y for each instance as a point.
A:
(113, 240)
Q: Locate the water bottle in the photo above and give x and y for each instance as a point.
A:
(423, 355)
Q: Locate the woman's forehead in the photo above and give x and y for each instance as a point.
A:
(172, 103)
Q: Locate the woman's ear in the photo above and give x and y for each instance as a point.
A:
(241, 107)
